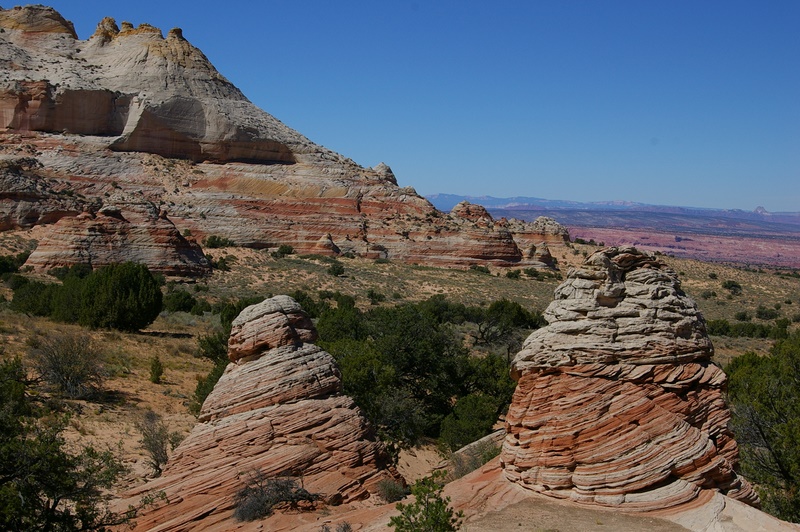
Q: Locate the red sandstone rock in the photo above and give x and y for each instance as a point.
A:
(114, 236)
(617, 402)
(277, 410)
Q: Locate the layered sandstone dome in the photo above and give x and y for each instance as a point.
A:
(277, 409)
(618, 403)
(134, 112)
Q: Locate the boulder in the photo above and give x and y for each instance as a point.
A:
(618, 403)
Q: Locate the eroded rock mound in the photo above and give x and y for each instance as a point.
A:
(111, 236)
(617, 402)
(277, 409)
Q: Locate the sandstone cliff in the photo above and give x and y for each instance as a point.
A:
(132, 111)
(617, 402)
(277, 409)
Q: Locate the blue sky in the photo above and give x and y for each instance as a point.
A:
(673, 103)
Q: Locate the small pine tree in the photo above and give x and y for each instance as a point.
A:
(430, 512)
(156, 369)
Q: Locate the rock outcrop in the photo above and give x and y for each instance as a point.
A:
(617, 402)
(277, 409)
(130, 110)
(112, 236)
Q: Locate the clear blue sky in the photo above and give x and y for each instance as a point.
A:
(666, 102)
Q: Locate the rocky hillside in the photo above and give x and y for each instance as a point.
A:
(143, 125)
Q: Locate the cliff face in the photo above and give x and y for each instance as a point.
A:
(278, 410)
(617, 402)
(131, 111)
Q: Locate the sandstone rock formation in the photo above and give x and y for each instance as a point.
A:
(276, 409)
(617, 402)
(132, 111)
(112, 236)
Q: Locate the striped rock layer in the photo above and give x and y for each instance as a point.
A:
(278, 410)
(617, 402)
(130, 112)
(112, 236)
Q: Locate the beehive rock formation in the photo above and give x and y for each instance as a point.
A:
(617, 401)
(277, 409)
(132, 111)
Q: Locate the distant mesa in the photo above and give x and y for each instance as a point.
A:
(617, 402)
(711, 235)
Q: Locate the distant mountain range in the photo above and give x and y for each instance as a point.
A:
(446, 202)
(755, 237)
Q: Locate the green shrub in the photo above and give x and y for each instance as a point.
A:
(283, 250)
(120, 296)
(336, 269)
(533, 273)
(257, 498)
(215, 241)
(472, 418)
(733, 287)
(76, 270)
(179, 301)
(15, 280)
(765, 403)
(156, 439)
(341, 527)
(69, 363)
(513, 274)
(764, 313)
(392, 491)
(312, 308)
(406, 367)
(718, 327)
(470, 459)
(375, 297)
(34, 298)
(12, 263)
(200, 307)
(156, 369)
(48, 484)
(478, 268)
(742, 315)
(222, 264)
(430, 512)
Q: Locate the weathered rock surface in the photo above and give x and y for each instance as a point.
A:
(279, 410)
(133, 111)
(617, 402)
(113, 235)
